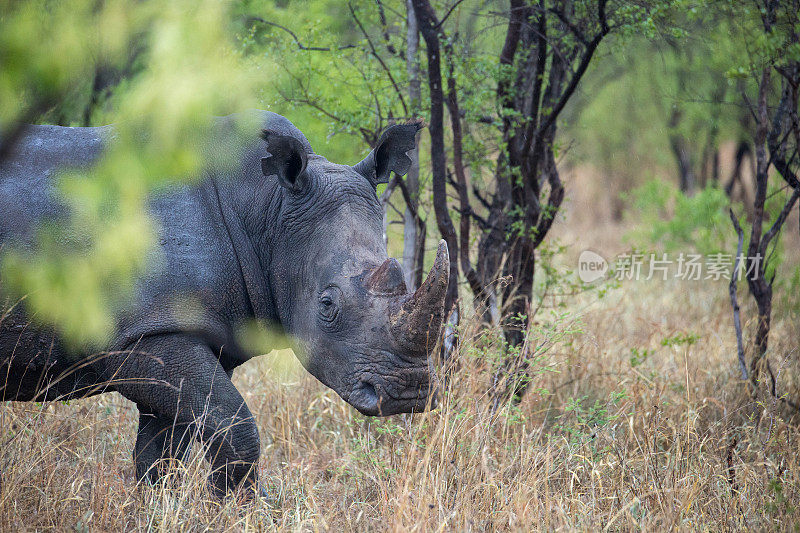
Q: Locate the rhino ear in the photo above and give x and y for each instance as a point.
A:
(389, 154)
(287, 160)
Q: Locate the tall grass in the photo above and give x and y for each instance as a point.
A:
(635, 419)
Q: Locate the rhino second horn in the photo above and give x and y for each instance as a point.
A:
(387, 278)
(417, 322)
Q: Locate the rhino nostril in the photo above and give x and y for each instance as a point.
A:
(433, 398)
(366, 394)
(370, 392)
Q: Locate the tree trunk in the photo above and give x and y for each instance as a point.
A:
(683, 156)
(772, 141)
(413, 242)
(742, 150)
(429, 28)
(384, 200)
(760, 288)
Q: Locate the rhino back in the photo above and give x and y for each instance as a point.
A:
(28, 176)
(191, 281)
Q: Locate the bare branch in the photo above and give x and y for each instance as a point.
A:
(778, 224)
(553, 201)
(737, 322)
(385, 30)
(538, 80)
(482, 199)
(449, 12)
(482, 222)
(462, 186)
(572, 27)
(579, 72)
(379, 58)
(410, 204)
(426, 16)
(300, 46)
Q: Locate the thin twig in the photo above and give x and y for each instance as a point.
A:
(379, 58)
(778, 224)
(385, 30)
(737, 322)
(449, 11)
(578, 74)
(300, 46)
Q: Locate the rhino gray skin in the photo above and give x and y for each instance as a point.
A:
(287, 238)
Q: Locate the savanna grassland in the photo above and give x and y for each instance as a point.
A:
(635, 419)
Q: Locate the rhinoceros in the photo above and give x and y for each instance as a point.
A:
(284, 237)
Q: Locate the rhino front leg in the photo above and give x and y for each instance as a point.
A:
(159, 443)
(177, 379)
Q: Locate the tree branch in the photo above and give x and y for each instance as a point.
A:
(482, 199)
(462, 186)
(778, 224)
(737, 321)
(410, 204)
(385, 30)
(554, 200)
(426, 17)
(446, 15)
(379, 58)
(538, 80)
(572, 27)
(300, 46)
(579, 72)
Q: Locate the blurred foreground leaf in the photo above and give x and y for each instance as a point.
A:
(161, 125)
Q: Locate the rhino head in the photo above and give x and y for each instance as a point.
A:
(343, 300)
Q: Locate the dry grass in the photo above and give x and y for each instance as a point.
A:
(665, 441)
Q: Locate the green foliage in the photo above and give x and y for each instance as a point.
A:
(680, 339)
(654, 85)
(334, 90)
(45, 51)
(787, 288)
(668, 219)
(780, 502)
(161, 133)
(638, 357)
(582, 418)
(554, 282)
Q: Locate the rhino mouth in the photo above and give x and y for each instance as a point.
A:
(372, 398)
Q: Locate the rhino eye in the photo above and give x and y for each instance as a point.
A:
(329, 304)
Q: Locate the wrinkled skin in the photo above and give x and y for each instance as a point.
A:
(287, 238)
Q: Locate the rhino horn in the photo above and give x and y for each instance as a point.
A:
(418, 318)
(387, 278)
